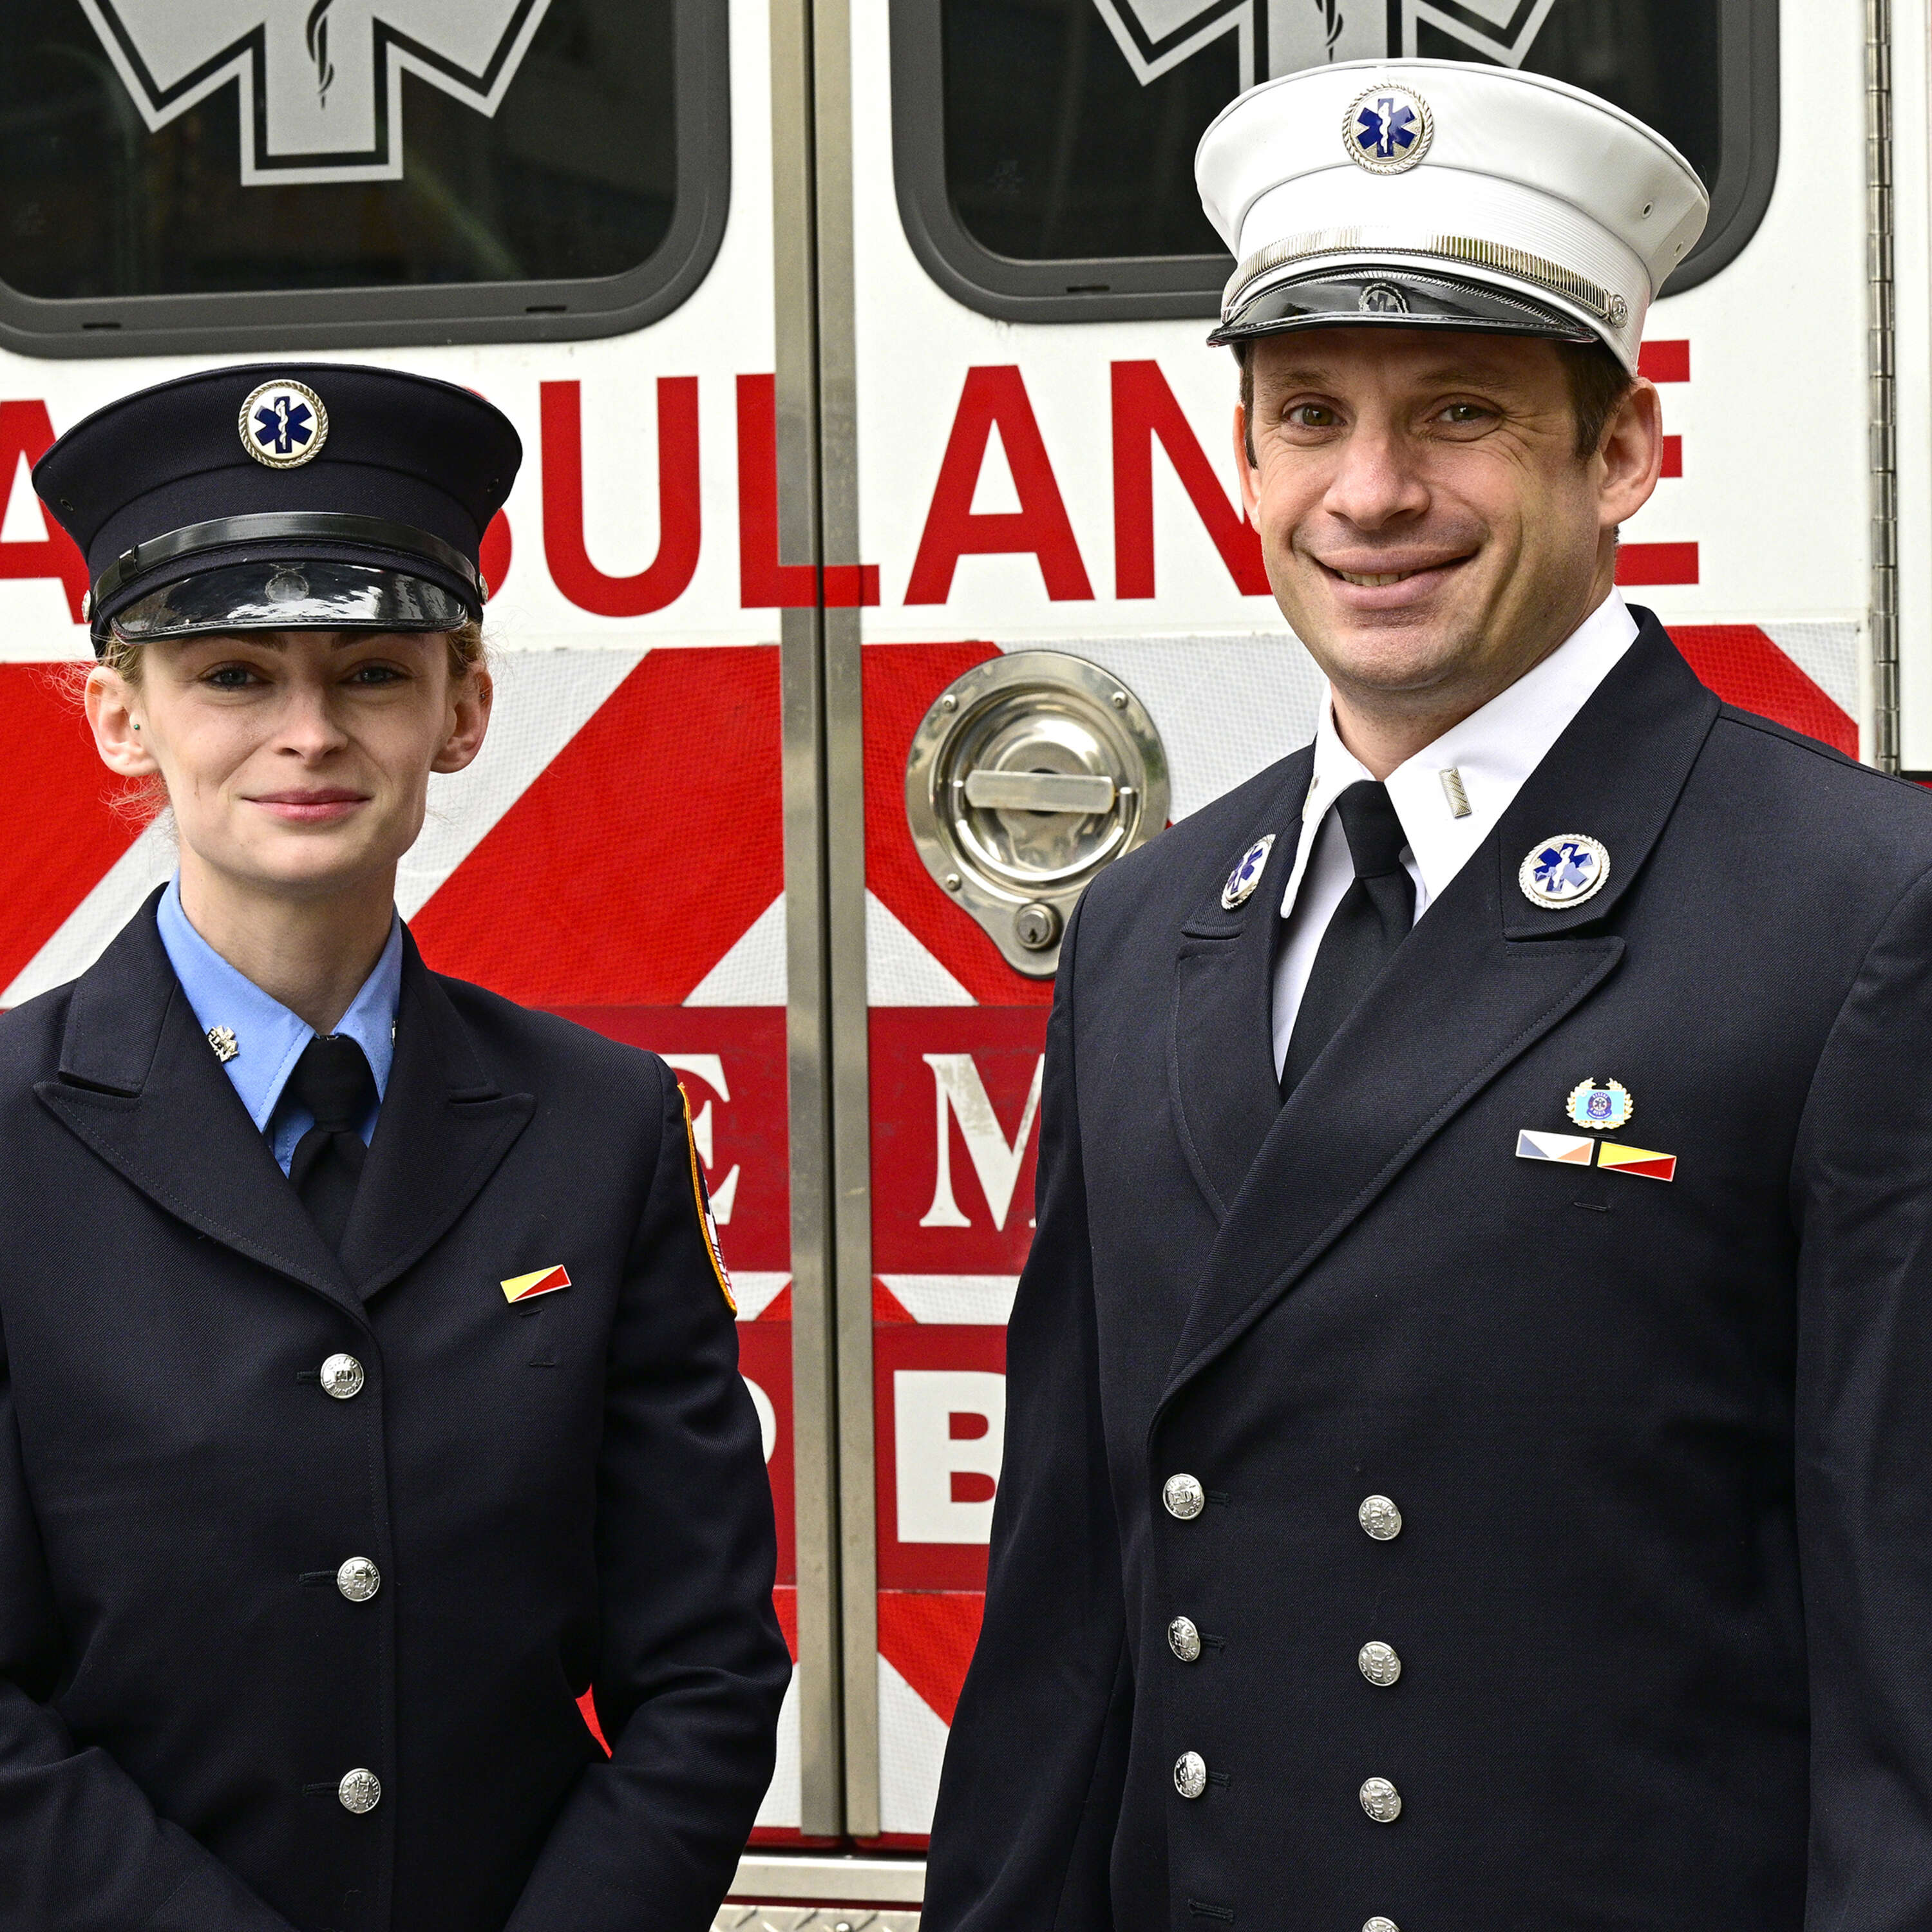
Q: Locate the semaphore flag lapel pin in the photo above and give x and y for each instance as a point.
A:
(539, 1281)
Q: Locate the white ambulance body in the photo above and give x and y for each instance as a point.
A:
(876, 574)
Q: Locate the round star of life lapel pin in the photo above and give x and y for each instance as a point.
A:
(1563, 871)
(1387, 129)
(1599, 1109)
(283, 425)
(1243, 879)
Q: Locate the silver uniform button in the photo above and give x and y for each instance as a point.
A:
(1381, 1800)
(360, 1791)
(358, 1579)
(342, 1377)
(1190, 1773)
(1379, 1924)
(1183, 1640)
(1185, 1498)
(1380, 1664)
(1380, 1518)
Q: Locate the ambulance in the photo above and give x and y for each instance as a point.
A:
(877, 575)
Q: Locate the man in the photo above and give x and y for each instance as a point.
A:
(1471, 1394)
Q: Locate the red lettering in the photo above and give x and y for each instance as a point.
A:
(996, 396)
(494, 558)
(764, 583)
(26, 429)
(1145, 409)
(671, 570)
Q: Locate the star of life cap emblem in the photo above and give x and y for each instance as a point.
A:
(283, 425)
(1387, 129)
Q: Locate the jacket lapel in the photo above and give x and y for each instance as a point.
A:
(1220, 1041)
(139, 1084)
(1485, 974)
(444, 1126)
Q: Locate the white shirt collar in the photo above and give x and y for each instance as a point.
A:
(1492, 750)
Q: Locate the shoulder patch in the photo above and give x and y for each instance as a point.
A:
(700, 1195)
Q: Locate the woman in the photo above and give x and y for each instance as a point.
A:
(370, 1384)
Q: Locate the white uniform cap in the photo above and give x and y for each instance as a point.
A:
(1443, 194)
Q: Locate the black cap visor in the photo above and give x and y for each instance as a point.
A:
(289, 595)
(1395, 298)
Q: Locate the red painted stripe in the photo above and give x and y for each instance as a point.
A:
(61, 834)
(1673, 456)
(1657, 563)
(640, 855)
(1745, 668)
(1664, 362)
(927, 1636)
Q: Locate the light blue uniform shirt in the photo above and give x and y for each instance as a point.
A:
(268, 1038)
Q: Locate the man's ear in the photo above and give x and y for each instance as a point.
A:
(1630, 459)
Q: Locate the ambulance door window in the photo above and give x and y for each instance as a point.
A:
(174, 175)
(1044, 148)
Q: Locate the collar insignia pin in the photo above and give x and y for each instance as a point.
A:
(1243, 879)
(226, 1045)
(1563, 871)
(539, 1281)
(1599, 1109)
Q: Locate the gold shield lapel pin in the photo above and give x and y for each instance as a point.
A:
(539, 1281)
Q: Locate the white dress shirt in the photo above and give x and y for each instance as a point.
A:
(1492, 752)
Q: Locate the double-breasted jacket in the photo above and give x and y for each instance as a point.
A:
(1655, 1552)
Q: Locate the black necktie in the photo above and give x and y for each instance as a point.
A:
(1372, 919)
(332, 1080)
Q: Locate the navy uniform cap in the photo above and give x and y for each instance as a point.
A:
(287, 496)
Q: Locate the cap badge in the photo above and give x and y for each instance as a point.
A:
(1388, 129)
(283, 425)
(1599, 1109)
(1563, 871)
(1243, 879)
(1381, 299)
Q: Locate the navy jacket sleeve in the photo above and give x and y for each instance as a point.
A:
(1862, 1197)
(692, 1666)
(1030, 1795)
(81, 1848)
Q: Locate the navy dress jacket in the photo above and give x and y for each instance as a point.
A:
(566, 1494)
(1662, 1451)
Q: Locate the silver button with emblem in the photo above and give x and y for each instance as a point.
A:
(1380, 1925)
(358, 1579)
(1183, 1497)
(1381, 1800)
(1183, 1640)
(360, 1791)
(1380, 1518)
(1190, 1773)
(342, 1377)
(1380, 1664)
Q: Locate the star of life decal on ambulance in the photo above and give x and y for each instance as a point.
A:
(321, 85)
